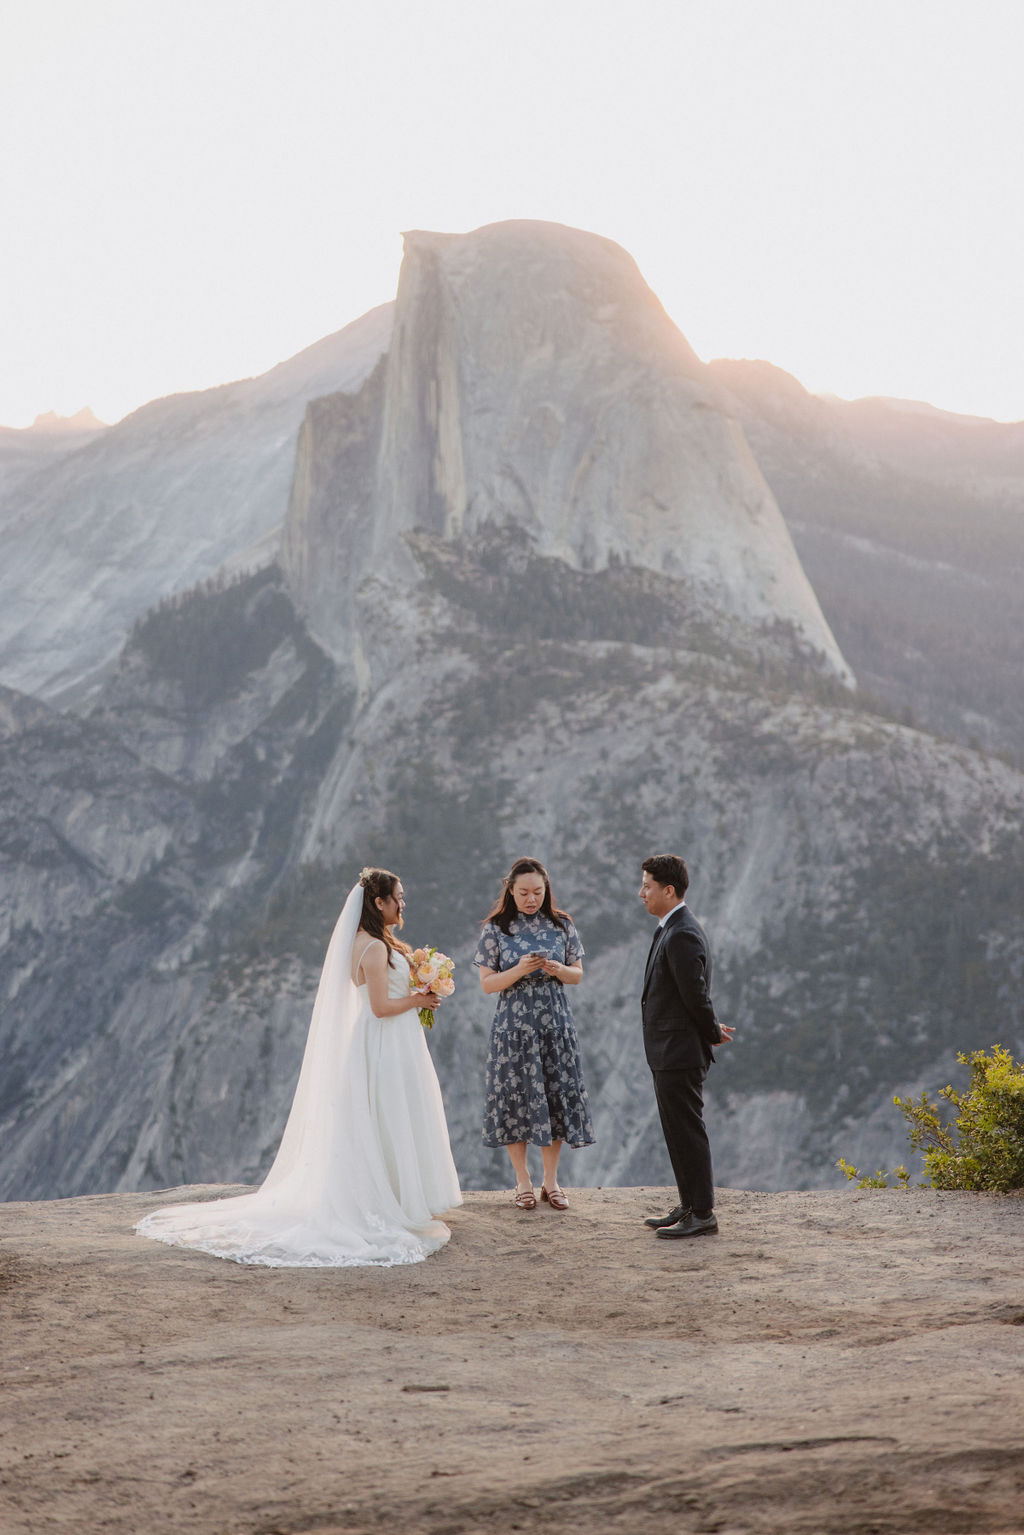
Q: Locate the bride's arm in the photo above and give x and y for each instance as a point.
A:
(374, 965)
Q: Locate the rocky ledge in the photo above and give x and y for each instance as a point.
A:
(848, 1362)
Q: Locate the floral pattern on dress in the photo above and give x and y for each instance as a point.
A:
(534, 1087)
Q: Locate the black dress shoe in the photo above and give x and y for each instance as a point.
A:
(691, 1226)
(678, 1214)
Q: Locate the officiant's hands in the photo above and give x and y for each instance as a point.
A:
(530, 963)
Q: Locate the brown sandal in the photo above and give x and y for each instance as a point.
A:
(525, 1199)
(556, 1198)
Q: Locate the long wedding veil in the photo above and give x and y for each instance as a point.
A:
(327, 1199)
(328, 1046)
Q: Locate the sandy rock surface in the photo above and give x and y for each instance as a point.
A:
(831, 1362)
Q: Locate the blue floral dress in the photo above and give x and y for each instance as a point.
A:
(535, 1086)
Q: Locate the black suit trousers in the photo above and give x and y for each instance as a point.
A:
(680, 1096)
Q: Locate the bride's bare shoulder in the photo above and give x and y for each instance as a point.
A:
(363, 949)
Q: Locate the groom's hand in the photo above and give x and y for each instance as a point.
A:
(727, 1033)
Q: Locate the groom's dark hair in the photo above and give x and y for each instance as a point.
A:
(668, 869)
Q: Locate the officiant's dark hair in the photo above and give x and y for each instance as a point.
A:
(380, 883)
(668, 869)
(505, 910)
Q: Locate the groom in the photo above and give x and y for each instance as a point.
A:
(680, 1028)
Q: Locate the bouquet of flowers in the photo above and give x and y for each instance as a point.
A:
(430, 970)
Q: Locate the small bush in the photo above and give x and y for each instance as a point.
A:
(982, 1148)
(879, 1180)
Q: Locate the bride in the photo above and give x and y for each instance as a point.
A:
(364, 1164)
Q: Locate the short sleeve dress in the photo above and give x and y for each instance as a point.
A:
(535, 1088)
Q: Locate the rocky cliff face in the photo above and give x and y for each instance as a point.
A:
(487, 676)
(908, 521)
(135, 848)
(103, 529)
(535, 386)
(861, 882)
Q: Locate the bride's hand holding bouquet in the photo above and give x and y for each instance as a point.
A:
(430, 975)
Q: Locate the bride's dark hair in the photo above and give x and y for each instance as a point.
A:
(379, 884)
(505, 909)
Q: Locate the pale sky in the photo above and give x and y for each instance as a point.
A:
(194, 190)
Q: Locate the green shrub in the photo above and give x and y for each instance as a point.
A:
(982, 1148)
(878, 1180)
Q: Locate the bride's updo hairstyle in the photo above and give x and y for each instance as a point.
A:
(505, 910)
(379, 884)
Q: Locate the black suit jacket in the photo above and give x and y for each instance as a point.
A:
(680, 1026)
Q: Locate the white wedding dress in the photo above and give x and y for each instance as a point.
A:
(364, 1164)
